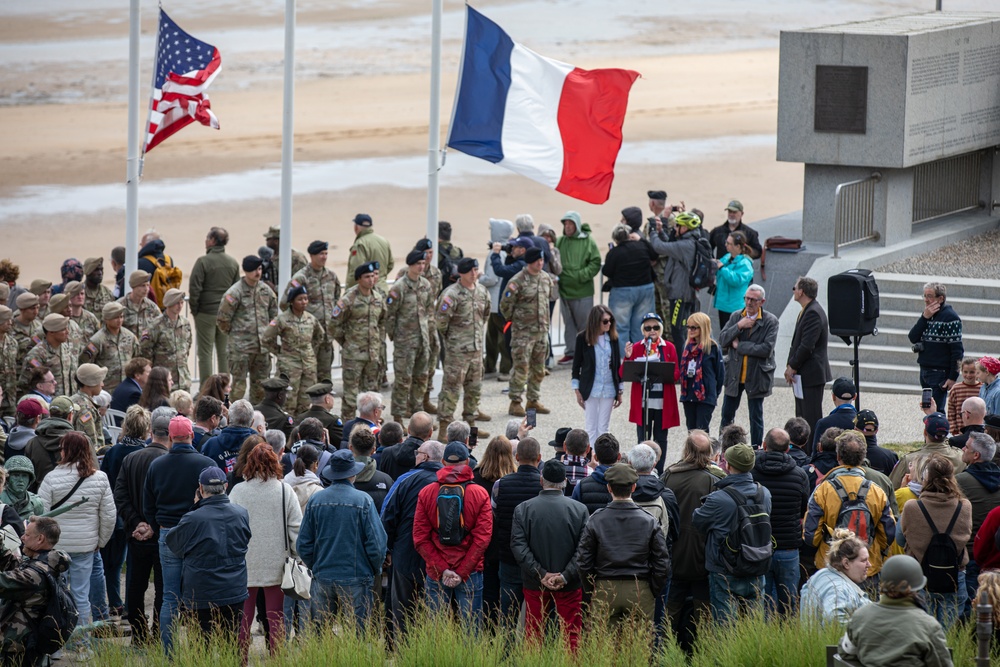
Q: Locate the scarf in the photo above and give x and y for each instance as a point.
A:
(696, 384)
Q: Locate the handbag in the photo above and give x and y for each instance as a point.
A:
(296, 579)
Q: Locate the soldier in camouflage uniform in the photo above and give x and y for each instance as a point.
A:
(461, 314)
(167, 341)
(409, 325)
(112, 347)
(140, 310)
(86, 416)
(245, 311)
(301, 334)
(358, 324)
(27, 329)
(43, 290)
(9, 369)
(433, 276)
(88, 322)
(323, 287)
(525, 304)
(272, 239)
(25, 589)
(54, 353)
(59, 305)
(96, 294)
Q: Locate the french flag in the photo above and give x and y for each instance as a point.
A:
(554, 123)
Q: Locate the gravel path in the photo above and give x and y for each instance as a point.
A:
(981, 256)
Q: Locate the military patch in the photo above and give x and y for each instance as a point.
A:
(336, 311)
(272, 323)
(511, 287)
(36, 340)
(145, 335)
(446, 303)
(295, 283)
(393, 295)
(92, 348)
(85, 417)
(507, 294)
(35, 362)
(230, 298)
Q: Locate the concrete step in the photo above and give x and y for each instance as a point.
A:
(901, 283)
(885, 354)
(914, 304)
(893, 337)
(975, 325)
(889, 374)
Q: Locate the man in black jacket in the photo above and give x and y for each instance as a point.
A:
(543, 540)
(776, 471)
(508, 492)
(844, 413)
(592, 490)
(624, 549)
(371, 480)
(407, 578)
(879, 458)
(734, 223)
(398, 459)
(807, 356)
(143, 550)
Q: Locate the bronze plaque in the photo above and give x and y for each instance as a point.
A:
(841, 99)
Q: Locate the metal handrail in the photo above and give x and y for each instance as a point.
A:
(864, 205)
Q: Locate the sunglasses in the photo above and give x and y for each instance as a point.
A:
(653, 327)
(691, 327)
(607, 320)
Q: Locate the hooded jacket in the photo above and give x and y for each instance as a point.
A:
(154, 248)
(980, 483)
(581, 263)
(647, 489)
(397, 519)
(789, 487)
(44, 450)
(398, 459)
(500, 232)
(373, 481)
(225, 447)
(467, 557)
(17, 440)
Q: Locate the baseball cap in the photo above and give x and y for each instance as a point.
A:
(866, 418)
(180, 427)
(212, 475)
(843, 388)
(31, 408)
(455, 452)
(936, 424)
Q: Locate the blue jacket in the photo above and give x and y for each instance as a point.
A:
(717, 517)
(991, 394)
(224, 448)
(842, 416)
(212, 539)
(397, 518)
(731, 282)
(171, 482)
(341, 538)
(506, 271)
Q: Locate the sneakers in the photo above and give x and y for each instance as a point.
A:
(516, 409)
(539, 408)
(567, 359)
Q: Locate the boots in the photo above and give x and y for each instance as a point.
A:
(443, 430)
(516, 409)
(539, 408)
(482, 417)
(428, 406)
(482, 435)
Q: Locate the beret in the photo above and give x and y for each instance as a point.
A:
(138, 278)
(54, 322)
(316, 247)
(369, 267)
(91, 264)
(112, 310)
(414, 256)
(172, 297)
(466, 264)
(252, 263)
(26, 300)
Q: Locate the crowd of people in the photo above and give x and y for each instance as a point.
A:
(811, 518)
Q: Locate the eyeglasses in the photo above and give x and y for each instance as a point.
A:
(652, 327)
(606, 320)
(692, 327)
(750, 299)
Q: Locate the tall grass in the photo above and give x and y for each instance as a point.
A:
(436, 640)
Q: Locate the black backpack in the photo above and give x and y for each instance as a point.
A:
(940, 561)
(747, 551)
(59, 618)
(703, 267)
(451, 522)
(854, 514)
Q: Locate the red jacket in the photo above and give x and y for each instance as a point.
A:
(984, 549)
(671, 416)
(467, 557)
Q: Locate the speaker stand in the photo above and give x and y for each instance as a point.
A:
(855, 365)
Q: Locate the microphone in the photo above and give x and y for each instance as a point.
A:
(649, 344)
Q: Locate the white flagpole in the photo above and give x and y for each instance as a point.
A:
(287, 148)
(434, 148)
(133, 158)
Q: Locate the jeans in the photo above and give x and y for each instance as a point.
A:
(971, 588)
(728, 593)
(296, 613)
(756, 407)
(113, 555)
(511, 592)
(935, 378)
(697, 415)
(327, 596)
(466, 598)
(98, 597)
(782, 581)
(170, 567)
(947, 607)
(628, 305)
(80, 572)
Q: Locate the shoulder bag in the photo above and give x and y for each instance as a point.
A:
(296, 579)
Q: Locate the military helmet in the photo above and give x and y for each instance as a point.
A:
(20, 464)
(902, 574)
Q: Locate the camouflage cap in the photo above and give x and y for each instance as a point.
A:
(112, 310)
(91, 264)
(26, 300)
(61, 406)
(734, 205)
(54, 322)
(273, 232)
(138, 279)
(39, 285)
(59, 304)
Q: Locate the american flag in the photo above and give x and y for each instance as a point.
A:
(182, 72)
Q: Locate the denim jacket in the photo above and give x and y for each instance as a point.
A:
(341, 538)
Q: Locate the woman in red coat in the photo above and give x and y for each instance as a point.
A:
(662, 399)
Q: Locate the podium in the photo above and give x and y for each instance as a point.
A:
(648, 373)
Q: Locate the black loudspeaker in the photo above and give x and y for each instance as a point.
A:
(852, 303)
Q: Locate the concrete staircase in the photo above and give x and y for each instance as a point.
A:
(886, 362)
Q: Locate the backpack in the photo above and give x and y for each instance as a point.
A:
(703, 266)
(451, 522)
(59, 618)
(854, 514)
(747, 550)
(940, 561)
(165, 276)
(658, 509)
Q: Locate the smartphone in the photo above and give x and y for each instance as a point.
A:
(925, 397)
(473, 437)
(531, 417)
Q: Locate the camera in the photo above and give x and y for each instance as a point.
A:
(506, 247)
(268, 274)
(917, 347)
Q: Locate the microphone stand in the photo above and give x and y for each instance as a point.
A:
(646, 427)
